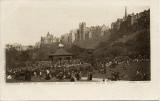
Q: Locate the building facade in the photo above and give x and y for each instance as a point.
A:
(48, 39)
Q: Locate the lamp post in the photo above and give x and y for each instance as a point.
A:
(90, 52)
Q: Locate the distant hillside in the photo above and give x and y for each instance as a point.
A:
(116, 44)
(130, 44)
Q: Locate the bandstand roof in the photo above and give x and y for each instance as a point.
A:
(61, 52)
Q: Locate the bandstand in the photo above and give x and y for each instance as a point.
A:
(60, 55)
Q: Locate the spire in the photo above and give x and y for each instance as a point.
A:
(125, 12)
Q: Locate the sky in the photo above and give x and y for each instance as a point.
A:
(25, 21)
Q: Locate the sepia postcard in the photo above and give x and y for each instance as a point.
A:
(79, 49)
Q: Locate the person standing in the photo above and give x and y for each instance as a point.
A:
(47, 75)
(72, 77)
(27, 75)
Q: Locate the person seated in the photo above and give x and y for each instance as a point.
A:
(47, 77)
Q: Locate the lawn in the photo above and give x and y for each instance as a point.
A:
(127, 74)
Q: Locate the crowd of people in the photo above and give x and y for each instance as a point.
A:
(73, 70)
(125, 63)
(66, 70)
